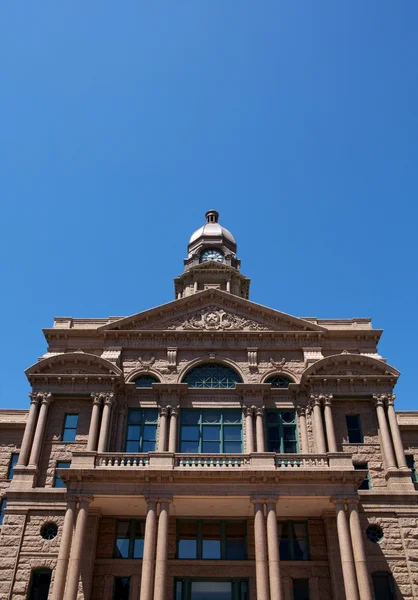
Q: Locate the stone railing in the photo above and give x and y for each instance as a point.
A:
(122, 460)
(207, 461)
(301, 461)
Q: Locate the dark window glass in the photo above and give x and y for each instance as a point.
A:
(39, 584)
(383, 586)
(211, 431)
(301, 589)
(13, 462)
(355, 435)
(145, 381)
(141, 430)
(281, 431)
(279, 381)
(61, 464)
(212, 375)
(211, 540)
(411, 464)
(365, 484)
(3, 504)
(294, 541)
(213, 589)
(70, 428)
(121, 588)
(129, 538)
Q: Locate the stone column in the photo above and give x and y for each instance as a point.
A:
(346, 552)
(276, 591)
(147, 577)
(40, 430)
(259, 427)
(172, 438)
(249, 429)
(105, 426)
(162, 434)
(64, 551)
(162, 547)
(77, 550)
(261, 572)
(329, 423)
(387, 449)
(301, 410)
(321, 447)
(121, 428)
(396, 434)
(35, 400)
(94, 422)
(363, 578)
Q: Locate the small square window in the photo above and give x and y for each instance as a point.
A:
(355, 435)
(61, 464)
(365, 484)
(12, 464)
(69, 430)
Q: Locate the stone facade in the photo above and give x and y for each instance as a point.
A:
(325, 370)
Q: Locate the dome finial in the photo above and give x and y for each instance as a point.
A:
(212, 216)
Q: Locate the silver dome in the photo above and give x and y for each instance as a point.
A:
(212, 229)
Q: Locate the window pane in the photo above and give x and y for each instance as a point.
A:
(134, 417)
(383, 586)
(148, 447)
(211, 416)
(190, 433)
(273, 434)
(190, 417)
(289, 433)
(211, 540)
(150, 415)
(187, 549)
(232, 433)
(138, 548)
(235, 540)
(3, 504)
(300, 542)
(132, 446)
(233, 447)
(272, 417)
(13, 462)
(354, 429)
(211, 432)
(211, 447)
(290, 447)
(189, 447)
(68, 435)
(71, 421)
(301, 589)
(179, 590)
(121, 588)
(134, 432)
(232, 416)
(187, 539)
(211, 590)
(123, 529)
(122, 548)
(150, 432)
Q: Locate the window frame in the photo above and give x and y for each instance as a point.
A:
(366, 481)
(231, 376)
(67, 429)
(200, 424)
(236, 585)
(57, 478)
(278, 381)
(14, 457)
(223, 538)
(144, 422)
(410, 458)
(36, 573)
(281, 425)
(147, 378)
(292, 539)
(132, 538)
(359, 428)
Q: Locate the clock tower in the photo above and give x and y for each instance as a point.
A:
(212, 262)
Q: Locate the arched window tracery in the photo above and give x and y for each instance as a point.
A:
(145, 381)
(279, 381)
(212, 375)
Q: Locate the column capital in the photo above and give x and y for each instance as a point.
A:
(109, 398)
(327, 398)
(85, 499)
(301, 411)
(174, 410)
(164, 411)
(379, 399)
(72, 498)
(151, 500)
(35, 397)
(352, 503)
(248, 410)
(315, 400)
(338, 502)
(255, 500)
(259, 411)
(391, 399)
(165, 499)
(97, 397)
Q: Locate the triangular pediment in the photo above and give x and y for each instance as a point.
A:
(212, 310)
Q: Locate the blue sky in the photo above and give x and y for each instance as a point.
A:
(123, 122)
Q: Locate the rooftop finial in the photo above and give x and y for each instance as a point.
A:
(212, 216)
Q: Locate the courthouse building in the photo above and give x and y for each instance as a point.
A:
(209, 449)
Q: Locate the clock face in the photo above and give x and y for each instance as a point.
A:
(215, 255)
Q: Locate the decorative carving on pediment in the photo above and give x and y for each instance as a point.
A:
(213, 318)
(277, 364)
(145, 364)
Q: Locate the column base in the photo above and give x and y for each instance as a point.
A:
(400, 479)
(24, 477)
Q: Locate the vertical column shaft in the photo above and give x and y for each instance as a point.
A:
(64, 551)
(347, 560)
(77, 550)
(121, 428)
(172, 438)
(321, 447)
(40, 431)
(94, 422)
(363, 579)
(147, 577)
(29, 429)
(396, 434)
(249, 429)
(387, 449)
(276, 591)
(105, 426)
(329, 424)
(303, 429)
(259, 426)
(161, 559)
(162, 435)
(261, 571)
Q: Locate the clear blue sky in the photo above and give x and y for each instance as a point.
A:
(123, 122)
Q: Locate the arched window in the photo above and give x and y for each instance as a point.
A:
(212, 375)
(383, 585)
(279, 381)
(39, 584)
(145, 381)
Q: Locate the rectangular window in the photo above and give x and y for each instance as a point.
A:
(61, 464)
(281, 431)
(213, 589)
(365, 484)
(69, 431)
(211, 431)
(3, 504)
(355, 435)
(13, 462)
(301, 589)
(129, 538)
(411, 464)
(121, 588)
(211, 540)
(294, 540)
(141, 431)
